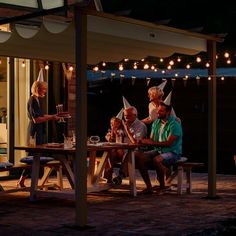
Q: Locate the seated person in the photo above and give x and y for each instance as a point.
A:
(166, 138)
(114, 134)
(134, 129)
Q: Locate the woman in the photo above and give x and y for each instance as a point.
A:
(155, 95)
(36, 117)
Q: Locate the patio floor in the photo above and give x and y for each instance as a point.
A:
(116, 212)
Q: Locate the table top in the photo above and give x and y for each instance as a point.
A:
(105, 146)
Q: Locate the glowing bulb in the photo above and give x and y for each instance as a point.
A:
(146, 66)
(207, 64)
(222, 78)
(104, 64)
(188, 66)
(121, 67)
(171, 62)
(23, 64)
(198, 59)
(95, 68)
(209, 78)
(178, 59)
(226, 55)
(71, 68)
(228, 61)
(46, 67)
(169, 67)
(161, 60)
(152, 67)
(135, 67)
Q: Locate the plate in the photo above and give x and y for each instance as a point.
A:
(64, 114)
(53, 145)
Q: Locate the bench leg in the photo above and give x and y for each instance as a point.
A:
(180, 180)
(59, 177)
(189, 180)
(44, 179)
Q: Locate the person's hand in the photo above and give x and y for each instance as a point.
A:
(110, 136)
(55, 117)
(146, 141)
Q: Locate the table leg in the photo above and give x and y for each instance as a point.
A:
(100, 167)
(131, 169)
(91, 168)
(34, 177)
(67, 168)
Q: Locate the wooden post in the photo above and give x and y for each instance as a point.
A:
(81, 116)
(211, 49)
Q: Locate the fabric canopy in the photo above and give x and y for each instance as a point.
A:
(109, 38)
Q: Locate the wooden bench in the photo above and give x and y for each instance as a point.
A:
(44, 181)
(183, 170)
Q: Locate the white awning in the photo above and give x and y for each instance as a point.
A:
(109, 38)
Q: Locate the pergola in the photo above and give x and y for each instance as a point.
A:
(94, 36)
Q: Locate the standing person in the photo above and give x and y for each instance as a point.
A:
(37, 118)
(135, 130)
(155, 95)
(166, 138)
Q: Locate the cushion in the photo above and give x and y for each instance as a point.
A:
(5, 164)
(3, 150)
(29, 160)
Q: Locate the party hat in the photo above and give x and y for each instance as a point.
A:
(120, 114)
(167, 101)
(125, 102)
(40, 76)
(162, 85)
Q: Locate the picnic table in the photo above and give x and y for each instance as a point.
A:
(95, 169)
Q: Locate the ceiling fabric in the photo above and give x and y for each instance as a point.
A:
(109, 38)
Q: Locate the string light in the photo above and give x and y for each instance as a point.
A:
(226, 54)
(178, 59)
(198, 59)
(71, 68)
(46, 67)
(121, 67)
(96, 68)
(23, 64)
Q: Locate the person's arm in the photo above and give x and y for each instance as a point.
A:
(45, 118)
(147, 120)
(110, 136)
(130, 136)
(166, 143)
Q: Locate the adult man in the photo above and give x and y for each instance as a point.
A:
(166, 138)
(135, 130)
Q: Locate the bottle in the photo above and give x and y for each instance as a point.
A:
(32, 141)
